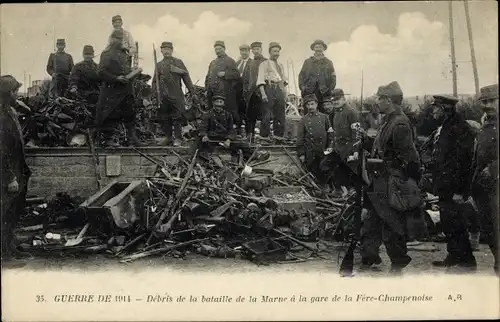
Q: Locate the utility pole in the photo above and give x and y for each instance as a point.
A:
(25, 85)
(294, 79)
(452, 43)
(471, 43)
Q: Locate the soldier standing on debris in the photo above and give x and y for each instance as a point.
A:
(128, 41)
(84, 79)
(244, 67)
(317, 75)
(485, 167)
(171, 71)
(254, 102)
(452, 160)
(116, 101)
(59, 67)
(14, 170)
(385, 221)
(314, 137)
(272, 82)
(222, 79)
(217, 128)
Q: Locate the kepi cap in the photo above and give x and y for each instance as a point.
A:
(115, 18)
(309, 98)
(256, 44)
(218, 97)
(390, 90)
(274, 44)
(61, 42)
(488, 92)
(244, 46)
(167, 44)
(220, 43)
(338, 93)
(445, 99)
(88, 50)
(318, 42)
(117, 34)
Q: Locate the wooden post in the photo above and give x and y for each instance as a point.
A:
(452, 43)
(471, 43)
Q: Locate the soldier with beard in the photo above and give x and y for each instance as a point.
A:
(485, 167)
(84, 80)
(452, 160)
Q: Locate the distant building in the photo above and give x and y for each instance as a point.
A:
(36, 87)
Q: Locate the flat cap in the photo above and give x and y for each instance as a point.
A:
(338, 93)
(274, 44)
(309, 98)
(88, 50)
(218, 97)
(8, 83)
(61, 41)
(391, 89)
(327, 98)
(167, 44)
(489, 92)
(220, 43)
(244, 46)
(117, 34)
(115, 18)
(318, 42)
(445, 99)
(256, 44)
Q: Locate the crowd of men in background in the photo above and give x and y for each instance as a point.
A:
(250, 89)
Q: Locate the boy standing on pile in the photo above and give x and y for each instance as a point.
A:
(217, 128)
(315, 136)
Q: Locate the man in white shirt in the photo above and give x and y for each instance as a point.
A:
(128, 41)
(271, 82)
(242, 90)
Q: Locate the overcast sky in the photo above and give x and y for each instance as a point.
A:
(403, 41)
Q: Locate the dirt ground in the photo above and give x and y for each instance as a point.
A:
(331, 252)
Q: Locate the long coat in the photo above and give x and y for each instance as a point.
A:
(84, 76)
(171, 73)
(225, 85)
(13, 165)
(344, 135)
(317, 75)
(452, 157)
(394, 144)
(486, 154)
(113, 63)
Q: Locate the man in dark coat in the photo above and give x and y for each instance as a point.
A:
(317, 75)
(452, 161)
(217, 129)
(171, 72)
(116, 101)
(485, 169)
(244, 66)
(253, 98)
(84, 80)
(222, 79)
(14, 170)
(314, 137)
(394, 145)
(59, 67)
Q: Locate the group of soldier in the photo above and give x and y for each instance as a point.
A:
(242, 92)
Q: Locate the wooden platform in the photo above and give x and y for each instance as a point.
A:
(65, 169)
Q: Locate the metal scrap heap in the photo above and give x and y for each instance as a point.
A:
(204, 205)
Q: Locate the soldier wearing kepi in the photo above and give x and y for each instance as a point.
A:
(485, 167)
(452, 160)
(127, 42)
(59, 66)
(14, 173)
(317, 75)
(314, 137)
(84, 80)
(171, 72)
(116, 101)
(222, 79)
(272, 82)
(386, 220)
(254, 103)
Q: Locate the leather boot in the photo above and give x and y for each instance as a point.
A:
(132, 135)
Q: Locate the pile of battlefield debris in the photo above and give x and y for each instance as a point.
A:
(205, 205)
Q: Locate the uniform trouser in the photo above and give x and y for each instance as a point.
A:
(241, 109)
(336, 171)
(454, 224)
(11, 208)
(274, 108)
(252, 114)
(171, 117)
(312, 162)
(59, 85)
(417, 228)
(487, 204)
(320, 98)
(374, 231)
